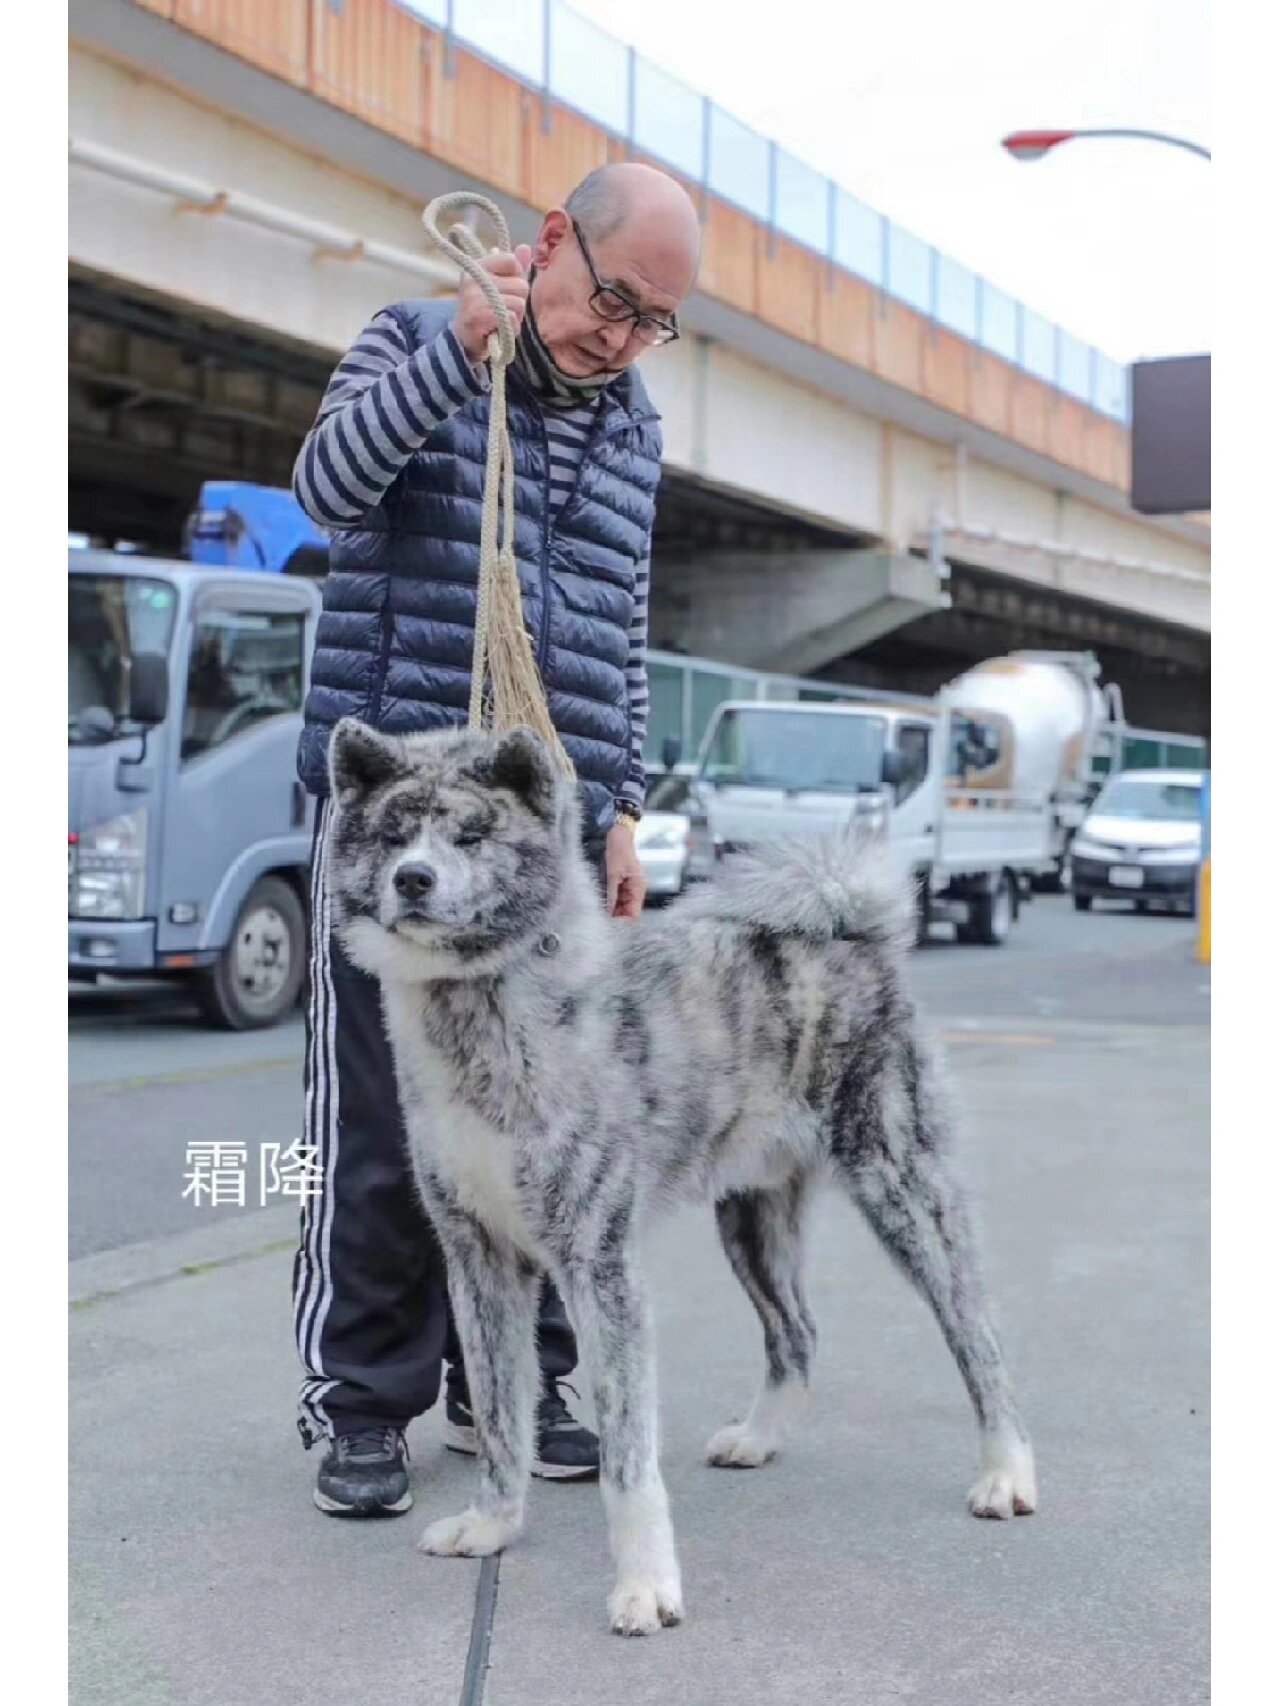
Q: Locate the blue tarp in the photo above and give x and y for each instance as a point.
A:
(243, 526)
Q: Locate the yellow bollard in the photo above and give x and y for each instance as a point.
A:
(1202, 915)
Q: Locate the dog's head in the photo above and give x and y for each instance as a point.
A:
(448, 850)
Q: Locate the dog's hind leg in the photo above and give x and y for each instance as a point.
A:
(763, 1237)
(896, 1168)
(607, 1304)
(494, 1291)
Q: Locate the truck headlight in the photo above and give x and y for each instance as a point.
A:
(109, 876)
(662, 841)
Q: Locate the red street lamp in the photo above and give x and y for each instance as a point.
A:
(1035, 144)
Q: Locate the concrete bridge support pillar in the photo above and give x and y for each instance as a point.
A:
(787, 611)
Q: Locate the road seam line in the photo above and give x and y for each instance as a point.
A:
(477, 1666)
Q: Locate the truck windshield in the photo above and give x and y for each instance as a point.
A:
(1149, 800)
(809, 751)
(110, 617)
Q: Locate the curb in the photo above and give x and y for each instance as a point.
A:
(92, 1279)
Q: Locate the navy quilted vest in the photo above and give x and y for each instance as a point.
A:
(394, 642)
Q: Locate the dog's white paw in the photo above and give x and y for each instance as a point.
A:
(1006, 1487)
(638, 1606)
(737, 1447)
(471, 1534)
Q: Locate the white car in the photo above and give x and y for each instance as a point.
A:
(1141, 842)
(662, 835)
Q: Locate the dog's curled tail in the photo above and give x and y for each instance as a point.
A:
(838, 887)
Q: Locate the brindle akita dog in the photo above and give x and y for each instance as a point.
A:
(564, 1078)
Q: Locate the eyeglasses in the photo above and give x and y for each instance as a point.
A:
(610, 303)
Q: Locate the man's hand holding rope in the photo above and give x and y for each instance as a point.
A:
(474, 321)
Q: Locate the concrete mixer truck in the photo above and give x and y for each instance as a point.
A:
(977, 792)
(1052, 728)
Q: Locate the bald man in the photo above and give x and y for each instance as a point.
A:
(394, 468)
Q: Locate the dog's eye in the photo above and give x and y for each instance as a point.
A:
(394, 835)
(469, 838)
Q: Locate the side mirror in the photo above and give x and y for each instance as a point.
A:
(148, 688)
(891, 769)
(671, 752)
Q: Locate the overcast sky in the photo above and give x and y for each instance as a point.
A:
(904, 102)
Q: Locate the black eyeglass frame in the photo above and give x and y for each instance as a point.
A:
(668, 330)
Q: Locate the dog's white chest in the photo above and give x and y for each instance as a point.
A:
(470, 1156)
(477, 1162)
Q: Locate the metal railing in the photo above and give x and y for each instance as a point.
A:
(565, 57)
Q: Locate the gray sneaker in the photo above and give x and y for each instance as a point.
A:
(364, 1474)
(564, 1449)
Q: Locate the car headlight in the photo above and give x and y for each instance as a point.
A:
(1185, 853)
(662, 841)
(109, 875)
(1083, 848)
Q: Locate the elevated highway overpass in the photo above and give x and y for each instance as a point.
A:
(878, 468)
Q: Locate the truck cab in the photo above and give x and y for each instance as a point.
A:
(188, 832)
(929, 778)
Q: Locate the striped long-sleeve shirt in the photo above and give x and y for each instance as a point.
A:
(380, 405)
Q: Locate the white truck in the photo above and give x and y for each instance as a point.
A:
(977, 792)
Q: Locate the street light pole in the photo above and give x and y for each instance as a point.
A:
(1035, 144)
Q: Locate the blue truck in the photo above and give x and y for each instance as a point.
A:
(188, 832)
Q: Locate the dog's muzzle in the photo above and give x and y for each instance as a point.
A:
(414, 884)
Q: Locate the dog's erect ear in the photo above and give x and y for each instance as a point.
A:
(521, 762)
(359, 759)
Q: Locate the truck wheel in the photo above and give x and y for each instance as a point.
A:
(1082, 902)
(255, 980)
(991, 915)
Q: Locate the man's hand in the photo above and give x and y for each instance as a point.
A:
(474, 320)
(625, 873)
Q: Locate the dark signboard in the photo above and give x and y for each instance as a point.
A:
(1171, 436)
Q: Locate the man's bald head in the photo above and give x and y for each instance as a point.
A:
(640, 233)
(608, 197)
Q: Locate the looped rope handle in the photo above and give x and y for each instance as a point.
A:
(502, 660)
(466, 251)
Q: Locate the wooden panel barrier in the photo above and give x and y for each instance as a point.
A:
(562, 155)
(787, 283)
(371, 59)
(948, 362)
(845, 308)
(478, 122)
(729, 256)
(896, 346)
(1098, 449)
(269, 33)
(1029, 406)
(380, 62)
(991, 392)
(1068, 422)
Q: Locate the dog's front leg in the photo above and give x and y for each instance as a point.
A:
(610, 1315)
(494, 1291)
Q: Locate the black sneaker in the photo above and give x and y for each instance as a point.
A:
(364, 1474)
(564, 1450)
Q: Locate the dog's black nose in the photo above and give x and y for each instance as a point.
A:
(414, 882)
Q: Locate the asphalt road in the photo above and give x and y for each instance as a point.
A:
(849, 1570)
(148, 1078)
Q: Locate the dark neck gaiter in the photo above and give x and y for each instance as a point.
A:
(550, 383)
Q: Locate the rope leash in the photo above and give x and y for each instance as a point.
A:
(506, 689)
